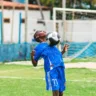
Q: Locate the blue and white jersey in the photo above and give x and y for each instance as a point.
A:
(51, 55)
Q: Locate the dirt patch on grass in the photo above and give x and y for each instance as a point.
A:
(67, 65)
(81, 65)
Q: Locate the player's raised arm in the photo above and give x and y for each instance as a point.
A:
(65, 48)
(40, 37)
(32, 58)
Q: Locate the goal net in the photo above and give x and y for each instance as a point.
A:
(77, 28)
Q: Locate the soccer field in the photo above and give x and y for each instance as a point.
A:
(23, 80)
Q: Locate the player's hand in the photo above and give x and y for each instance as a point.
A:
(66, 46)
(33, 53)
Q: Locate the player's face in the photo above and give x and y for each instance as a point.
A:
(42, 39)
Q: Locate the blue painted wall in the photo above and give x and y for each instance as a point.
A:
(20, 1)
(17, 52)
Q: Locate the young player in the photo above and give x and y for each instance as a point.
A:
(53, 63)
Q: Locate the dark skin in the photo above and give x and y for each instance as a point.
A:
(43, 39)
(33, 52)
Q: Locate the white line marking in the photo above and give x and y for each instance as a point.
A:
(14, 77)
(81, 80)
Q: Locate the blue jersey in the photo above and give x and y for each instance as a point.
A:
(51, 55)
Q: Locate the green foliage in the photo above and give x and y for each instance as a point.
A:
(51, 3)
(69, 3)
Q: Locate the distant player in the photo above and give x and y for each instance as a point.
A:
(53, 63)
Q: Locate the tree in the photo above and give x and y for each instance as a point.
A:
(70, 3)
(93, 3)
(32, 2)
(47, 2)
(52, 3)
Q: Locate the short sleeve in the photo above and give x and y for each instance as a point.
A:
(37, 54)
(38, 51)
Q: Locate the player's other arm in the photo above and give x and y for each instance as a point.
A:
(32, 58)
(65, 48)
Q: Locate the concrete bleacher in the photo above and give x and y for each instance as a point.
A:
(76, 47)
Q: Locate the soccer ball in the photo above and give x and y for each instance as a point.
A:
(53, 38)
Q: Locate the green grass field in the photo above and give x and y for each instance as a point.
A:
(22, 80)
(87, 59)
